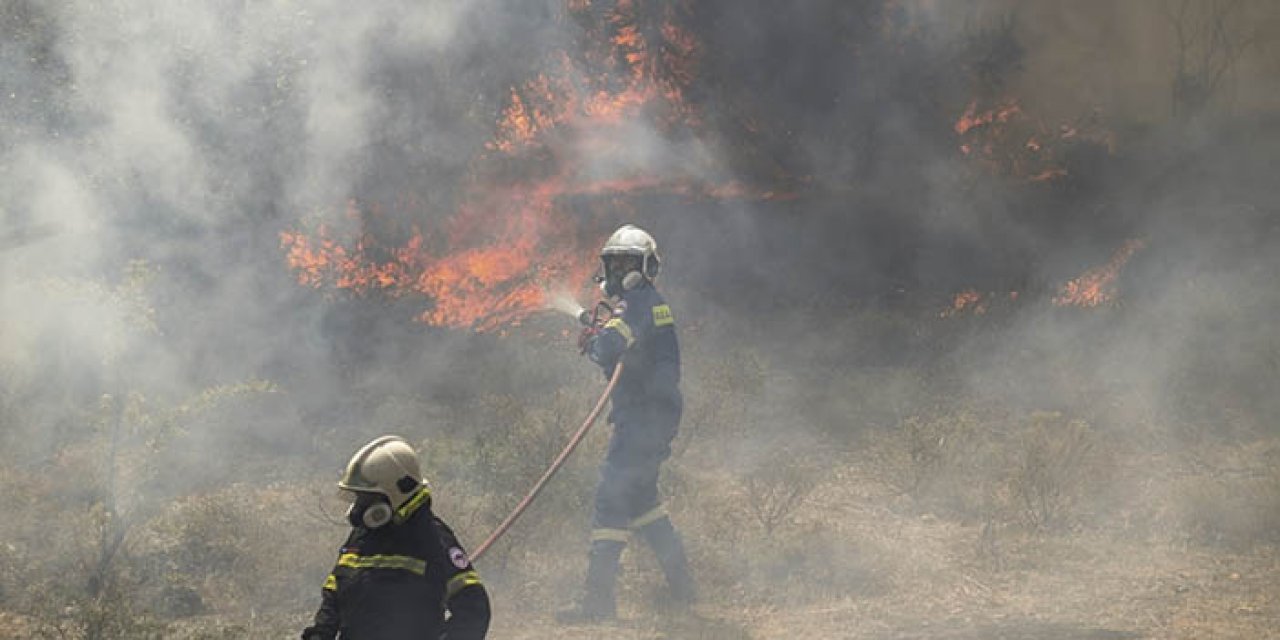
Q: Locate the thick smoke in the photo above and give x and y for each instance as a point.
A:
(152, 153)
(189, 134)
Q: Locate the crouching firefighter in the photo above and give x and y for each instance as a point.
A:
(401, 567)
(646, 407)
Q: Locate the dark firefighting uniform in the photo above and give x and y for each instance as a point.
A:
(645, 415)
(396, 581)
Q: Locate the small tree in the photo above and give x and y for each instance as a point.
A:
(776, 489)
(1210, 37)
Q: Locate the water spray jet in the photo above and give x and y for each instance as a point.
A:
(564, 303)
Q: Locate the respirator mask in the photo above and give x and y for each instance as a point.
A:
(369, 510)
(619, 273)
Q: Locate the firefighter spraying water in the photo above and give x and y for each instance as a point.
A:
(631, 336)
(635, 331)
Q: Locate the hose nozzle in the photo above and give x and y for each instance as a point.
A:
(597, 315)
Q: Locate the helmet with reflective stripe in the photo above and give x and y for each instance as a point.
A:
(628, 257)
(387, 466)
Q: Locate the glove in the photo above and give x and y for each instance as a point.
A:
(585, 338)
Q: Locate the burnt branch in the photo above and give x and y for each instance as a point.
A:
(1210, 38)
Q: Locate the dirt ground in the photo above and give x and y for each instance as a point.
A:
(954, 581)
(1124, 591)
(1172, 596)
(1162, 564)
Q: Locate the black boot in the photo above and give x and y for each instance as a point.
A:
(667, 546)
(597, 603)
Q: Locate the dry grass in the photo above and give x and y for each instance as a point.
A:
(960, 519)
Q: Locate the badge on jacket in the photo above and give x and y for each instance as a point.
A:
(458, 557)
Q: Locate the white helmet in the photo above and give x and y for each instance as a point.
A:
(387, 466)
(623, 275)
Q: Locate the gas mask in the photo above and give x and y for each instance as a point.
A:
(369, 510)
(619, 273)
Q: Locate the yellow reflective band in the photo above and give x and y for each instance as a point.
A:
(461, 581)
(622, 328)
(331, 583)
(653, 515)
(412, 504)
(662, 316)
(615, 535)
(406, 563)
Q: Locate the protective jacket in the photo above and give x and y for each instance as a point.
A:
(646, 402)
(396, 582)
(645, 416)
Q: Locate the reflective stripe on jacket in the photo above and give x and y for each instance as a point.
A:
(397, 581)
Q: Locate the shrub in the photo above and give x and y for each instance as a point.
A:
(1054, 460)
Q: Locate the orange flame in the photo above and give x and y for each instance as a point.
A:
(1008, 141)
(1097, 286)
(974, 302)
(482, 286)
(507, 244)
(585, 102)
(967, 300)
(972, 119)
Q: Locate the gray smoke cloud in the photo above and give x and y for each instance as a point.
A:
(189, 134)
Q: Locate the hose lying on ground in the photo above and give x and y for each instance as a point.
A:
(555, 466)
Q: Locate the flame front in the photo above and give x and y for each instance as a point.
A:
(1008, 141)
(480, 285)
(968, 300)
(1097, 286)
(510, 243)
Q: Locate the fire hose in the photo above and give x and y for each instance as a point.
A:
(595, 319)
(555, 466)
